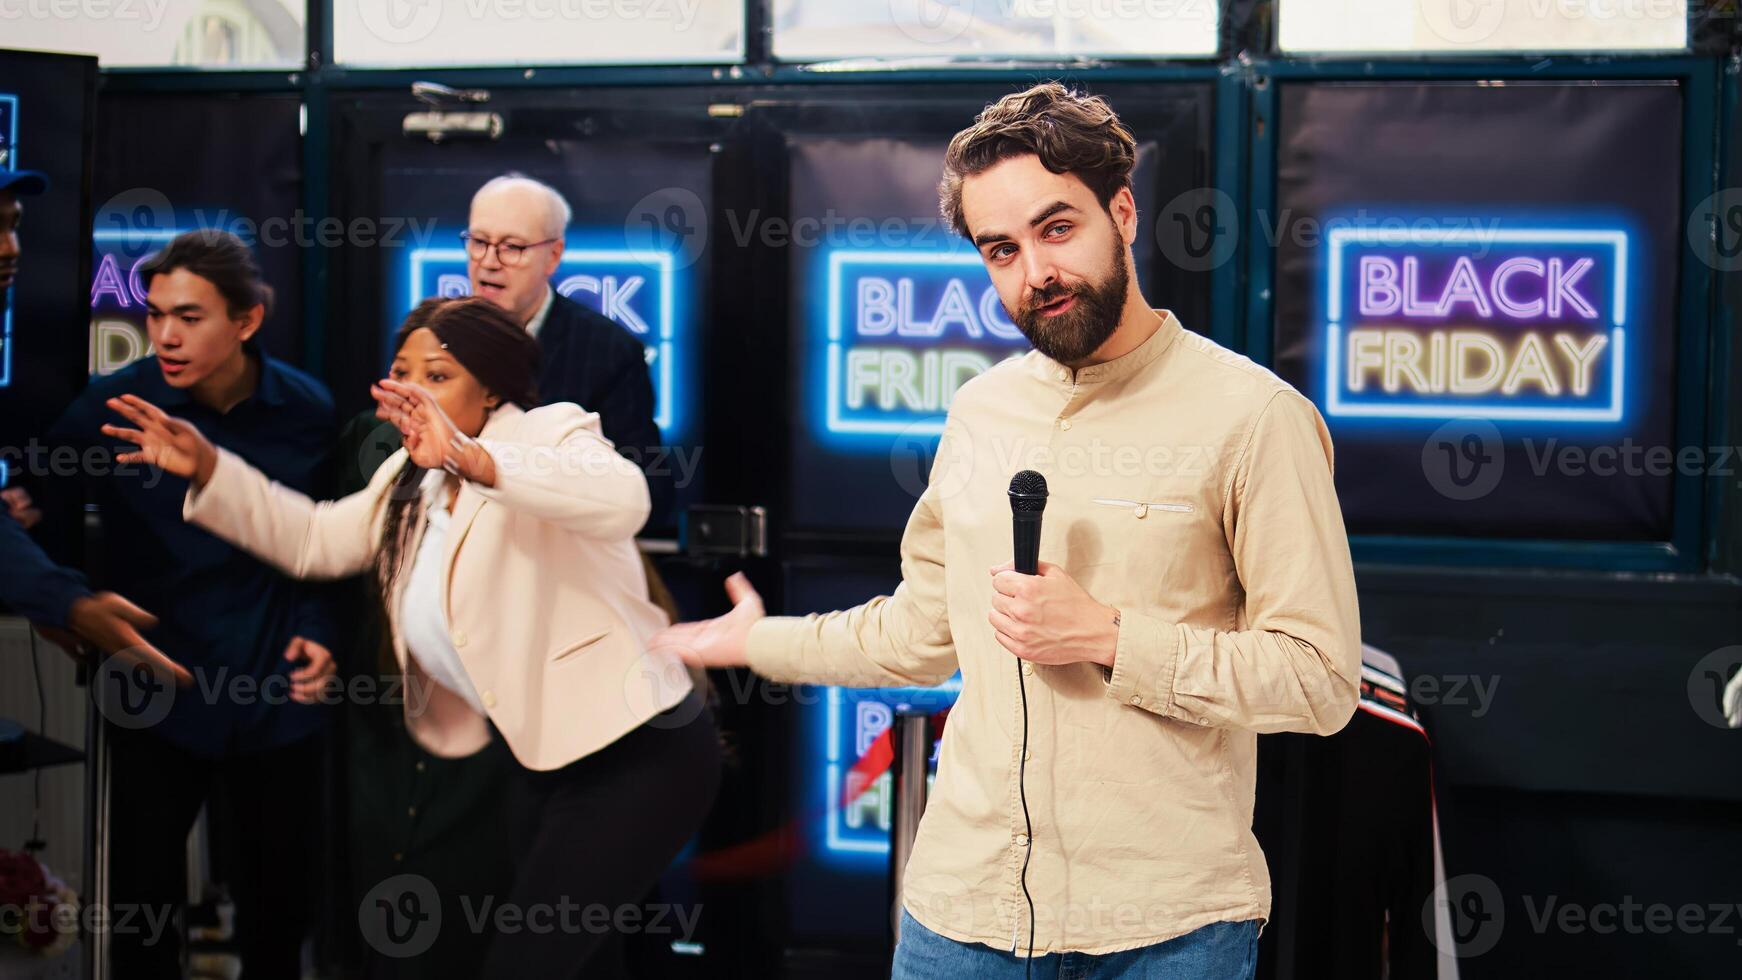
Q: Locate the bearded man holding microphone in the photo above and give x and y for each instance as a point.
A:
(1092, 812)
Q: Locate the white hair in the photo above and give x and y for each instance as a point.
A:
(557, 213)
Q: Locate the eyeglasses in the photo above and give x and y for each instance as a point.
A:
(508, 253)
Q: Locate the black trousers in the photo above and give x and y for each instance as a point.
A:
(593, 839)
(265, 810)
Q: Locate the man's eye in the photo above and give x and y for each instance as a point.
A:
(190, 320)
(1062, 226)
(1001, 251)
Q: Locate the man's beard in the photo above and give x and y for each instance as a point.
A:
(1073, 335)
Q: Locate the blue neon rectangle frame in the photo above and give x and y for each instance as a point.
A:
(1339, 238)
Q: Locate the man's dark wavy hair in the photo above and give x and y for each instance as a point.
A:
(1070, 132)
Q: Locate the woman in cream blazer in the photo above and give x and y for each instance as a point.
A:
(502, 537)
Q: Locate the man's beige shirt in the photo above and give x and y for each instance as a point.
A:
(1191, 489)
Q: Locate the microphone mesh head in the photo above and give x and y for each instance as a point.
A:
(1028, 491)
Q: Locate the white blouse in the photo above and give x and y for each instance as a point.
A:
(423, 621)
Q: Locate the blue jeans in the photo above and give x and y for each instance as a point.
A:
(1219, 951)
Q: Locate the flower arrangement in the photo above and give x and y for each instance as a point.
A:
(38, 912)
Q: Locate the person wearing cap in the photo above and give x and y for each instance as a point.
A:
(55, 598)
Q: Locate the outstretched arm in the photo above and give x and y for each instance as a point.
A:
(238, 503)
(896, 640)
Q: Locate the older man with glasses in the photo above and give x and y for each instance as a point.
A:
(514, 243)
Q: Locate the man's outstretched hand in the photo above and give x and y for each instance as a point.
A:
(112, 624)
(21, 507)
(718, 642)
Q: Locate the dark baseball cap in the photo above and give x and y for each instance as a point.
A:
(23, 181)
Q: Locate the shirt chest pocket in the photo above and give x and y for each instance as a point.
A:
(1133, 539)
(1140, 509)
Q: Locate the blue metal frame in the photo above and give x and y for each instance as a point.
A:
(1243, 166)
(1723, 349)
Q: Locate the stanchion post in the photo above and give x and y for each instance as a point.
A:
(912, 738)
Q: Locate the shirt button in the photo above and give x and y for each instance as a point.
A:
(1064, 423)
(420, 766)
(489, 699)
(1141, 510)
(1028, 756)
(1021, 840)
(1136, 699)
(1027, 667)
(398, 856)
(411, 811)
(459, 639)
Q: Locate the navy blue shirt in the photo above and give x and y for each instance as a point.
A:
(222, 613)
(31, 584)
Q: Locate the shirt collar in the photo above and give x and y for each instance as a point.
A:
(434, 480)
(430, 490)
(1119, 367)
(534, 325)
(268, 389)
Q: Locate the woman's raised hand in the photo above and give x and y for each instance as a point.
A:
(431, 438)
(164, 441)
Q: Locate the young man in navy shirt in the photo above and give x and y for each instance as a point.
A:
(256, 641)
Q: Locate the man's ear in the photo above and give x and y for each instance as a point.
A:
(251, 321)
(1123, 208)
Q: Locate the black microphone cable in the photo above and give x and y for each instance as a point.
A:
(1028, 494)
(1028, 825)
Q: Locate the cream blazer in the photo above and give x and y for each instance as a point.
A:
(546, 596)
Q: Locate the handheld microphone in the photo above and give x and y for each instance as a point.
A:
(1027, 501)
